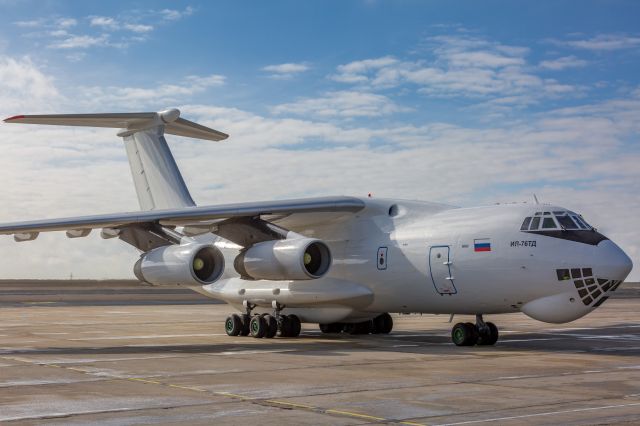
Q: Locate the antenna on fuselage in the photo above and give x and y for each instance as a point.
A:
(536, 198)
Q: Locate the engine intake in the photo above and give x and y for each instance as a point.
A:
(289, 259)
(187, 264)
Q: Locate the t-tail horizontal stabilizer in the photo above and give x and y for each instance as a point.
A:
(130, 122)
(158, 181)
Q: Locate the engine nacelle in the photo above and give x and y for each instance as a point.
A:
(187, 264)
(290, 259)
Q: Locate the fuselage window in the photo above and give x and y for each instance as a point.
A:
(566, 222)
(525, 224)
(548, 223)
(534, 223)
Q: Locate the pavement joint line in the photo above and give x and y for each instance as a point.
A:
(548, 413)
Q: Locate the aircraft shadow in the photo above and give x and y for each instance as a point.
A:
(616, 340)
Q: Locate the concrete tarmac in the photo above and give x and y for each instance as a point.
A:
(93, 353)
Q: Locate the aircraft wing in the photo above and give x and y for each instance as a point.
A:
(191, 216)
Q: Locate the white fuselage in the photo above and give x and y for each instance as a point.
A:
(406, 256)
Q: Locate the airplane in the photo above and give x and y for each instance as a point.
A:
(343, 262)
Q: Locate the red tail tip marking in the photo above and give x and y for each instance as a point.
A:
(15, 117)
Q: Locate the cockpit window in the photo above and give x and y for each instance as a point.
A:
(549, 223)
(525, 224)
(583, 224)
(534, 223)
(566, 222)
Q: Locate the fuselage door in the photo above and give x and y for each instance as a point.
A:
(440, 270)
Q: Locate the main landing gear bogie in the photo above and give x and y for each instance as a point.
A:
(382, 324)
(263, 325)
(481, 333)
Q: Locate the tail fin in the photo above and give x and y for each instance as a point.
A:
(156, 176)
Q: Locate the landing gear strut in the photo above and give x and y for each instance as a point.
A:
(480, 333)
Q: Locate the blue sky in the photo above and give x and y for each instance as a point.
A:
(461, 102)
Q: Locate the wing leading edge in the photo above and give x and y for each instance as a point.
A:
(187, 216)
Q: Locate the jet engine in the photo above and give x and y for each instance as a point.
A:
(186, 264)
(289, 259)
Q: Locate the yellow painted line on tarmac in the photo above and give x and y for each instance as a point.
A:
(234, 395)
(350, 414)
(413, 424)
(186, 387)
(292, 404)
(137, 379)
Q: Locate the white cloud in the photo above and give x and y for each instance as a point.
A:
(459, 66)
(353, 72)
(174, 15)
(111, 24)
(287, 70)
(139, 28)
(104, 22)
(79, 42)
(346, 104)
(32, 23)
(22, 84)
(100, 31)
(604, 42)
(66, 22)
(132, 97)
(562, 63)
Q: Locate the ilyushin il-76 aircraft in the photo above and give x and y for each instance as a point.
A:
(343, 262)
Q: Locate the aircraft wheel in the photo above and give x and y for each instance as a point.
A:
(258, 326)
(382, 324)
(272, 326)
(284, 328)
(490, 336)
(233, 325)
(296, 326)
(334, 327)
(464, 334)
(364, 327)
(246, 324)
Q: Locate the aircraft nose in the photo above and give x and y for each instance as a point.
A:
(612, 261)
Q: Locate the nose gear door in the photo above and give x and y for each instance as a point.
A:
(440, 270)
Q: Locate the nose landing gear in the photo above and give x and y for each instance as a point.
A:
(480, 333)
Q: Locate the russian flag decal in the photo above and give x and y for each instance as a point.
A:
(482, 245)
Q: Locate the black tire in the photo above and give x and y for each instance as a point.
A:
(464, 334)
(336, 327)
(272, 326)
(350, 328)
(284, 328)
(233, 325)
(296, 326)
(473, 333)
(333, 328)
(490, 336)
(382, 324)
(246, 324)
(365, 327)
(258, 326)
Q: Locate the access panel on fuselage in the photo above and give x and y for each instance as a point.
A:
(440, 269)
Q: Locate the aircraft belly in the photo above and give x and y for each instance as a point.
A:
(324, 291)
